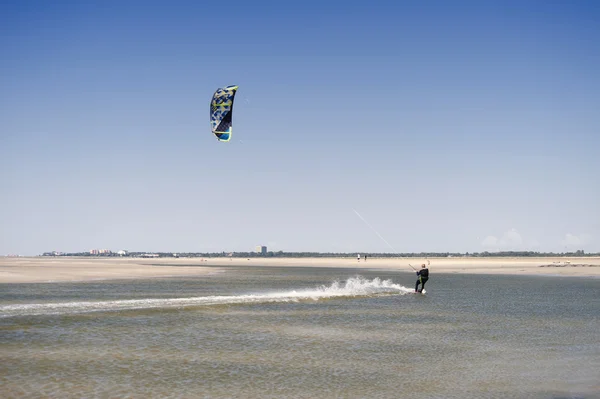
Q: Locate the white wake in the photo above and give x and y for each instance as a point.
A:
(353, 287)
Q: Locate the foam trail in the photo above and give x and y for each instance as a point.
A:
(353, 287)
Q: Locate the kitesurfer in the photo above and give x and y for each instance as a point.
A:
(423, 277)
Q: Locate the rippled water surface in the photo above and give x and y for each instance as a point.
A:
(256, 332)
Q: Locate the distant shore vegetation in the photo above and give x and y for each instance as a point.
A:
(283, 254)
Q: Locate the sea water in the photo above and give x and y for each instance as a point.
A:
(268, 332)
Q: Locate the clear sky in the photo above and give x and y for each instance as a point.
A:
(448, 125)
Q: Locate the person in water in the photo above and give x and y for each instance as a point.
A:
(423, 277)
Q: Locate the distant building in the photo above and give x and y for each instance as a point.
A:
(122, 252)
(261, 249)
(100, 252)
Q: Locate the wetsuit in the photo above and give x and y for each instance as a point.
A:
(423, 277)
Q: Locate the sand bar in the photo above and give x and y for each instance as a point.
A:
(60, 269)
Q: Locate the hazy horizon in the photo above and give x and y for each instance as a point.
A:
(450, 127)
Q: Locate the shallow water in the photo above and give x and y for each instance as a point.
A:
(255, 332)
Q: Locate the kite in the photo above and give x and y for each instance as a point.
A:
(221, 112)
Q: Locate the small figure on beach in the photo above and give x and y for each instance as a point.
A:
(358, 257)
(423, 277)
(365, 258)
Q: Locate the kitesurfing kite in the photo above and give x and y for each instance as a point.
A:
(221, 112)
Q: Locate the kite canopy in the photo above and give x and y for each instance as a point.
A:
(221, 110)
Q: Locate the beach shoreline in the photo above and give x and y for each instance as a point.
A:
(71, 269)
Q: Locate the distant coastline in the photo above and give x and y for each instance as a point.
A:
(282, 254)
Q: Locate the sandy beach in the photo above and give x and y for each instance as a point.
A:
(60, 269)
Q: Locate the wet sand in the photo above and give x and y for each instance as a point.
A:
(55, 269)
(61, 269)
(585, 266)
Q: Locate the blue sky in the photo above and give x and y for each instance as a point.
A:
(449, 126)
